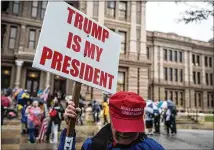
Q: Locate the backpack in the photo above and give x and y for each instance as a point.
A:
(53, 113)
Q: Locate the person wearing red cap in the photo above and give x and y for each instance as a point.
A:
(126, 130)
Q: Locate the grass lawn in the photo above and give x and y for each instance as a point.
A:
(209, 118)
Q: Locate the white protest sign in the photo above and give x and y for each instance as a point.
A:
(76, 47)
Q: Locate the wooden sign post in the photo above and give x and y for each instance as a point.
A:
(71, 123)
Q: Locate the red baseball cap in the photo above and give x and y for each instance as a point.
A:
(126, 111)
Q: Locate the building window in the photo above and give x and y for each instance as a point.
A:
(96, 8)
(165, 54)
(210, 61)
(199, 99)
(211, 79)
(12, 39)
(34, 8)
(121, 81)
(193, 59)
(166, 95)
(181, 75)
(212, 100)
(16, 7)
(111, 8)
(171, 96)
(194, 81)
(123, 10)
(4, 6)
(170, 55)
(147, 52)
(43, 8)
(166, 73)
(3, 31)
(5, 76)
(176, 74)
(32, 36)
(198, 60)
(205, 61)
(195, 100)
(123, 42)
(176, 97)
(138, 14)
(208, 100)
(207, 80)
(181, 99)
(32, 81)
(176, 56)
(199, 77)
(171, 74)
(180, 57)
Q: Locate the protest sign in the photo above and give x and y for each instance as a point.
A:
(76, 47)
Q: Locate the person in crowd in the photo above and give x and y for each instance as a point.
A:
(24, 118)
(168, 121)
(126, 130)
(149, 120)
(34, 114)
(105, 111)
(156, 115)
(82, 110)
(173, 120)
(55, 121)
(96, 111)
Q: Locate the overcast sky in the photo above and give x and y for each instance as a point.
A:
(162, 16)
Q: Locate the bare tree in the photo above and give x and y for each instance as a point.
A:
(198, 14)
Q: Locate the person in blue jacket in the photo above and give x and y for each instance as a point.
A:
(126, 130)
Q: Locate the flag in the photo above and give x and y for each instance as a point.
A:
(44, 95)
(43, 130)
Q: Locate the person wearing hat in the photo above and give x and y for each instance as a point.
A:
(125, 130)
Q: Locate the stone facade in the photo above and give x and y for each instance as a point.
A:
(142, 61)
(18, 59)
(183, 56)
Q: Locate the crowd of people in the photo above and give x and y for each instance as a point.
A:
(41, 116)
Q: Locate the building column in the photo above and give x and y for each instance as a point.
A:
(25, 9)
(22, 38)
(47, 81)
(133, 37)
(186, 99)
(205, 101)
(132, 79)
(192, 99)
(186, 68)
(101, 10)
(161, 73)
(156, 93)
(143, 82)
(19, 64)
(203, 81)
(155, 65)
(89, 9)
(190, 68)
(162, 93)
(143, 56)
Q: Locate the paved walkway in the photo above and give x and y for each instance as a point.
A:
(185, 139)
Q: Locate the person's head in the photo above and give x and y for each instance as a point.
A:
(35, 103)
(126, 114)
